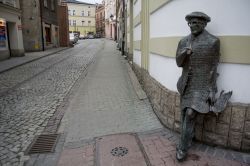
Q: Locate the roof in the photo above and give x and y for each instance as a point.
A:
(76, 2)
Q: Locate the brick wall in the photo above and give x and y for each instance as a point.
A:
(230, 129)
(63, 22)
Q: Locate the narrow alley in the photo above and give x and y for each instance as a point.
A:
(87, 95)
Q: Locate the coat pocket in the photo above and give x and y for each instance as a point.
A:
(181, 84)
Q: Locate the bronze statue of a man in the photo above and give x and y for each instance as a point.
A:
(198, 55)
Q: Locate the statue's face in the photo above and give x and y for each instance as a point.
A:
(196, 26)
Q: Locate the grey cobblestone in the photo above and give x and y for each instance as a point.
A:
(246, 158)
(32, 93)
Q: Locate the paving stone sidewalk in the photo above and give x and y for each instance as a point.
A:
(29, 57)
(152, 148)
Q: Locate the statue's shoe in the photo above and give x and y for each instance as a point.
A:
(180, 155)
(221, 102)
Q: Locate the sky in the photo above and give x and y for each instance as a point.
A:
(91, 1)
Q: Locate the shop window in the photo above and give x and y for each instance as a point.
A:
(3, 35)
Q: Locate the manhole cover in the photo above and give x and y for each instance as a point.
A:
(119, 151)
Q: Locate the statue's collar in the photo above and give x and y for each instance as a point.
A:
(192, 38)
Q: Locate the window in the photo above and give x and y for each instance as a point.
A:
(82, 13)
(69, 12)
(45, 3)
(74, 22)
(9, 2)
(74, 12)
(89, 22)
(83, 22)
(52, 4)
(88, 13)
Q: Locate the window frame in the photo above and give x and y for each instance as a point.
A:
(45, 3)
(52, 5)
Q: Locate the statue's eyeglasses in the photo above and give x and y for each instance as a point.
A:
(190, 23)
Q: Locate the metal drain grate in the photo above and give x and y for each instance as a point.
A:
(119, 151)
(43, 144)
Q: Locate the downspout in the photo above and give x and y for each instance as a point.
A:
(123, 29)
(40, 1)
(116, 14)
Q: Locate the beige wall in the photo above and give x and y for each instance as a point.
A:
(110, 24)
(82, 27)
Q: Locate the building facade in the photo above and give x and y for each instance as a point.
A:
(110, 19)
(63, 21)
(100, 19)
(154, 30)
(11, 38)
(121, 25)
(41, 14)
(81, 17)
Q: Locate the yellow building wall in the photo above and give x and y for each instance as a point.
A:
(84, 23)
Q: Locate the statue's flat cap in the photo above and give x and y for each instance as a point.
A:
(198, 15)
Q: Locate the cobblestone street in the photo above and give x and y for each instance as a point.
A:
(30, 94)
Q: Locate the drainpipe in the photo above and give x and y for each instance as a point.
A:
(123, 29)
(40, 1)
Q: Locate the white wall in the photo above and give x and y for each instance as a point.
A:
(137, 57)
(235, 77)
(228, 17)
(137, 8)
(164, 70)
(137, 33)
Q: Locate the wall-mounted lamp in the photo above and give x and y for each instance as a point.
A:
(111, 16)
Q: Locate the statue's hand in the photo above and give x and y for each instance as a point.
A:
(211, 97)
(188, 50)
